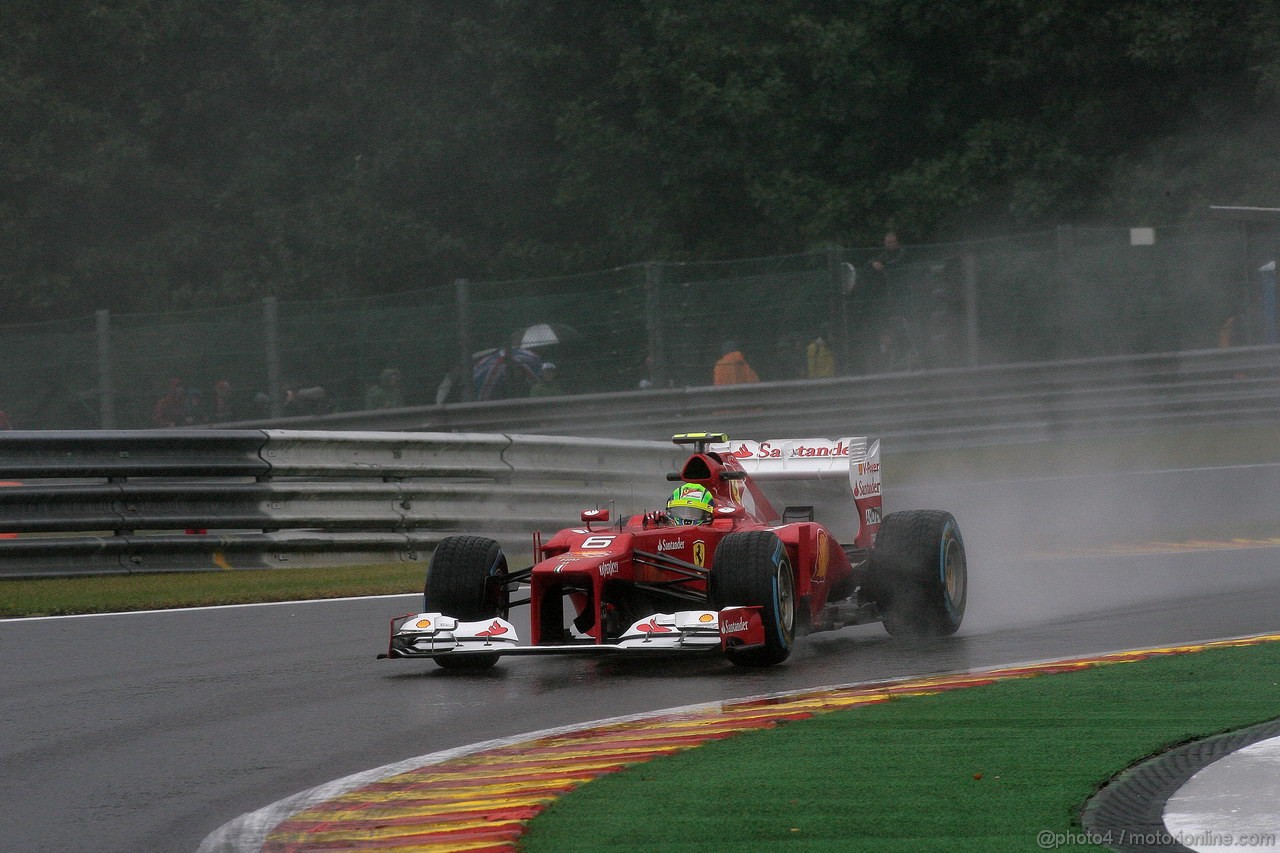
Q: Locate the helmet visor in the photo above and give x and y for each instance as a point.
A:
(689, 514)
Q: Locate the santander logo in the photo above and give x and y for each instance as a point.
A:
(497, 629)
(652, 627)
(801, 449)
(731, 627)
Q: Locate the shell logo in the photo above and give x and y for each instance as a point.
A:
(707, 617)
(422, 623)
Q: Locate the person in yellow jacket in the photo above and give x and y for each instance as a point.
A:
(732, 368)
(821, 361)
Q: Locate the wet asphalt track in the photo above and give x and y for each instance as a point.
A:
(145, 732)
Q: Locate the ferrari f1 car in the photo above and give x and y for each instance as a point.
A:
(815, 554)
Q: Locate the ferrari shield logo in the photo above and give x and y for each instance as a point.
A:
(699, 553)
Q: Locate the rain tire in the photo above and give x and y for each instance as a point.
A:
(467, 580)
(751, 569)
(919, 574)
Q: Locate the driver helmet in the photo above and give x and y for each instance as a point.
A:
(690, 504)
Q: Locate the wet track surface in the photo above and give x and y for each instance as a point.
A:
(145, 732)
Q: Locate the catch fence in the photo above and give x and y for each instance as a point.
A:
(1054, 295)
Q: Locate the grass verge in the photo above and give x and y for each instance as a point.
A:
(981, 769)
(111, 593)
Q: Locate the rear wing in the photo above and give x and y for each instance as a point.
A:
(853, 460)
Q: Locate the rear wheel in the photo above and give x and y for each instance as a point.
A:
(751, 569)
(467, 580)
(919, 574)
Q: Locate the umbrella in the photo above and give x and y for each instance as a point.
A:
(544, 335)
(495, 370)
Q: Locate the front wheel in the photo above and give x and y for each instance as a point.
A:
(467, 580)
(919, 574)
(751, 569)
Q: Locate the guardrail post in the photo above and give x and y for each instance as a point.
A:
(653, 324)
(106, 389)
(271, 335)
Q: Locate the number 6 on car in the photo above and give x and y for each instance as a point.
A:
(742, 578)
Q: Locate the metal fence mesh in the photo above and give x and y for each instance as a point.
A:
(1065, 293)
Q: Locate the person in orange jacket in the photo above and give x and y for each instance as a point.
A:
(732, 368)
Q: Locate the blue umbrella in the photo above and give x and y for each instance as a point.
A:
(495, 371)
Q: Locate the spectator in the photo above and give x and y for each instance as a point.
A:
(313, 400)
(388, 393)
(880, 296)
(941, 331)
(224, 408)
(194, 408)
(819, 360)
(789, 354)
(171, 409)
(1229, 332)
(890, 256)
(450, 388)
(732, 368)
(646, 374)
(895, 348)
(547, 383)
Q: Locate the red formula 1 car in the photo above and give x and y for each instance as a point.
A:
(814, 555)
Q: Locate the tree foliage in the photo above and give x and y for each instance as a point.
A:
(160, 155)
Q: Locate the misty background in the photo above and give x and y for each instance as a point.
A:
(608, 166)
(174, 155)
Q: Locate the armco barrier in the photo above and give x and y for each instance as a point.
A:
(112, 502)
(949, 408)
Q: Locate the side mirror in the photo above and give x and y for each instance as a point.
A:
(590, 515)
(730, 511)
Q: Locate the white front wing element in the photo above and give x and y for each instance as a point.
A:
(434, 634)
(686, 629)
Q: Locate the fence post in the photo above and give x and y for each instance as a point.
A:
(462, 303)
(843, 279)
(653, 324)
(106, 388)
(1267, 285)
(969, 268)
(271, 335)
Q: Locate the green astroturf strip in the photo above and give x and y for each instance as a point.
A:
(982, 769)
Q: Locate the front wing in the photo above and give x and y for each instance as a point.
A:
(434, 635)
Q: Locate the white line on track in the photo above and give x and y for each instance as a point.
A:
(211, 607)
